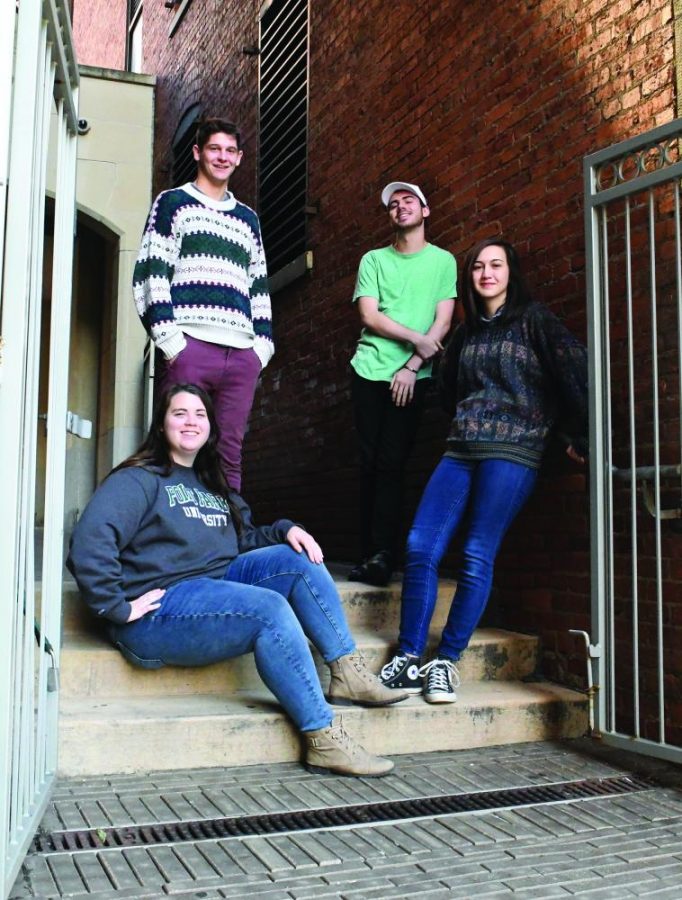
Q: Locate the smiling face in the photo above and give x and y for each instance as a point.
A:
(185, 427)
(490, 277)
(405, 210)
(217, 159)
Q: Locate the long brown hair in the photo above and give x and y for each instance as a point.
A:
(516, 301)
(517, 298)
(154, 452)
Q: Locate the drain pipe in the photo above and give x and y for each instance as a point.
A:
(592, 651)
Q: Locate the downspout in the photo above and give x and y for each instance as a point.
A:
(592, 651)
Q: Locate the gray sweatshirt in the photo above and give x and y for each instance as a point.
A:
(144, 530)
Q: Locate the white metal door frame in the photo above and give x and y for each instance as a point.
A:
(43, 78)
(617, 178)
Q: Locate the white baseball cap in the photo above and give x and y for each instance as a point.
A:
(394, 186)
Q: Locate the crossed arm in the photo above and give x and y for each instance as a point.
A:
(425, 345)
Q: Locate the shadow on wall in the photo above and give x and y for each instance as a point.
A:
(492, 116)
(491, 111)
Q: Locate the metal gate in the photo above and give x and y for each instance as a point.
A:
(38, 114)
(634, 251)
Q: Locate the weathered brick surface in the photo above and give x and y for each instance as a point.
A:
(492, 116)
(99, 32)
(203, 63)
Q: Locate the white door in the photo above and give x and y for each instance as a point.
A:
(38, 92)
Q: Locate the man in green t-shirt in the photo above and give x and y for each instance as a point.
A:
(405, 295)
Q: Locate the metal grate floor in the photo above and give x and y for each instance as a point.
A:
(590, 826)
(73, 841)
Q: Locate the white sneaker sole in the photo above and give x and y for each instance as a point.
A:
(440, 698)
(405, 690)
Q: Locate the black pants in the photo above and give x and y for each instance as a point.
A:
(386, 433)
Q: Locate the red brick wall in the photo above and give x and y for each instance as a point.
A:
(202, 62)
(490, 109)
(99, 32)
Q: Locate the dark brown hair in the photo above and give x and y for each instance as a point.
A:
(154, 453)
(208, 127)
(517, 298)
(515, 303)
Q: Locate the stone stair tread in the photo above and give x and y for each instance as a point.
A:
(337, 571)
(253, 701)
(90, 665)
(88, 641)
(363, 604)
(131, 735)
(116, 718)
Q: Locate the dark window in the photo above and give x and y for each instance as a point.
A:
(134, 47)
(179, 7)
(184, 164)
(283, 130)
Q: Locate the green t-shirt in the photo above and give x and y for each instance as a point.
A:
(408, 287)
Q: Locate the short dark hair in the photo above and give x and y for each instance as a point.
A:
(518, 296)
(210, 126)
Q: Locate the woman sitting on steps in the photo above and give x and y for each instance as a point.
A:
(168, 555)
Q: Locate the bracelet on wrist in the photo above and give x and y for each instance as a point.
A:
(410, 369)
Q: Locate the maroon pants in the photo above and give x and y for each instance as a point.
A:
(229, 375)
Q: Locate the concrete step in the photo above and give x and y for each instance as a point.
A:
(118, 718)
(125, 735)
(91, 667)
(365, 606)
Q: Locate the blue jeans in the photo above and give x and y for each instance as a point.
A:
(268, 602)
(483, 498)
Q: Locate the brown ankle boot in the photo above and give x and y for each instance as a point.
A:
(353, 683)
(332, 749)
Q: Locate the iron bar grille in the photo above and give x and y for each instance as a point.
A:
(184, 164)
(283, 130)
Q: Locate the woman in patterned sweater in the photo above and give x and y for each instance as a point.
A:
(512, 375)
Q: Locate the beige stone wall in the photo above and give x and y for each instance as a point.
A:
(107, 339)
(114, 187)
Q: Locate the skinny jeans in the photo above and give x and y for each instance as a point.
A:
(480, 499)
(269, 601)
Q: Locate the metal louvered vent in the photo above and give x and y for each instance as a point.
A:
(334, 817)
(283, 130)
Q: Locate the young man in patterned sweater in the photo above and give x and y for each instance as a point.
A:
(201, 290)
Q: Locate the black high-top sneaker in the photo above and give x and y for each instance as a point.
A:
(402, 673)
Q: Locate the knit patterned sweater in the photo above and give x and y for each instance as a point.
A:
(201, 271)
(508, 385)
